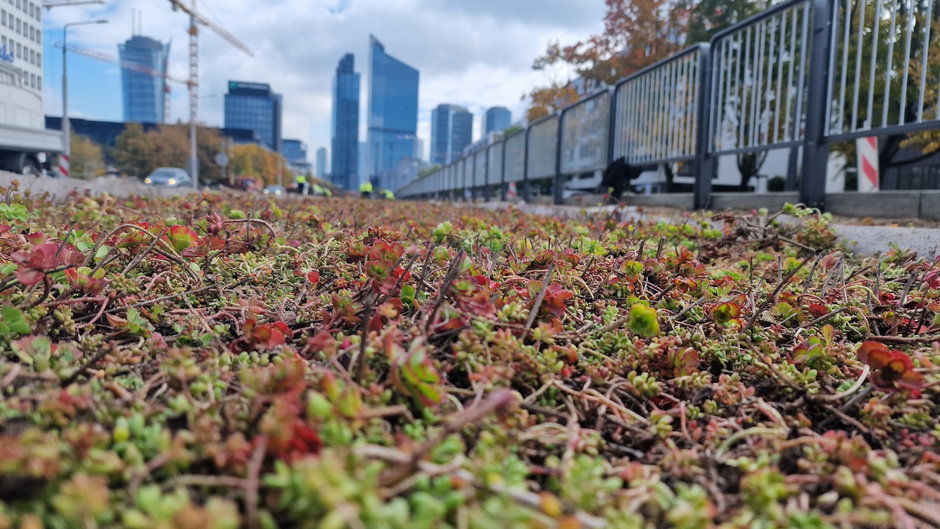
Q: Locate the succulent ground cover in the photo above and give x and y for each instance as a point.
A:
(231, 361)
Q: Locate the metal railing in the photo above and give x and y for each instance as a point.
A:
(802, 75)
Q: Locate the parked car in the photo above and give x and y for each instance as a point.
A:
(274, 190)
(169, 177)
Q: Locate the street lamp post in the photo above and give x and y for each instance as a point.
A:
(66, 127)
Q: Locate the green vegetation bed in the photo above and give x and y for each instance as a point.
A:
(221, 362)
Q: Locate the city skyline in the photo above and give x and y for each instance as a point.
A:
(344, 130)
(463, 66)
(392, 117)
(451, 132)
(144, 95)
(496, 120)
(255, 106)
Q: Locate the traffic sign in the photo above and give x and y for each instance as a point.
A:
(221, 159)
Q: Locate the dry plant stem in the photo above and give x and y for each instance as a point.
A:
(763, 305)
(534, 312)
(253, 482)
(855, 387)
(442, 292)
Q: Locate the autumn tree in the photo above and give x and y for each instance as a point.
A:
(637, 33)
(708, 17)
(87, 158)
(887, 111)
(256, 161)
(138, 152)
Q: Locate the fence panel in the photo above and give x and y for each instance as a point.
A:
(585, 130)
(494, 163)
(515, 157)
(543, 148)
(466, 173)
(656, 117)
(479, 169)
(760, 71)
(884, 67)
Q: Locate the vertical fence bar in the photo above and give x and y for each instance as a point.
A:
(923, 60)
(502, 172)
(558, 179)
(526, 192)
(889, 69)
(869, 114)
(815, 150)
(703, 164)
(859, 35)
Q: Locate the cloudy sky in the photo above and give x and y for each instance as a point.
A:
(476, 53)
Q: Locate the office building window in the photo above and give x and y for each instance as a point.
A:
(39, 59)
(32, 57)
(3, 17)
(19, 27)
(19, 51)
(39, 83)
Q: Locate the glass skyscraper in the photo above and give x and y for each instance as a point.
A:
(451, 131)
(321, 164)
(345, 125)
(256, 107)
(295, 152)
(144, 100)
(498, 119)
(393, 117)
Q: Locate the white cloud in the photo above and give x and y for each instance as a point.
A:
(477, 53)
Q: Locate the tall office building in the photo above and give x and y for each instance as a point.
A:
(497, 119)
(144, 93)
(393, 117)
(321, 164)
(295, 152)
(256, 107)
(345, 125)
(451, 131)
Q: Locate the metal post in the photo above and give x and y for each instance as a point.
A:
(815, 150)
(502, 173)
(558, 187)
(486, 174)
(66, 126)
(526, 193)
(704, 168)
(193, 96)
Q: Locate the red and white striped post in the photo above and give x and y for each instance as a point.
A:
(64, 165)
(867, 160)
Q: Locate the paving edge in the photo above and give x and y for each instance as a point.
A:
(864, 240)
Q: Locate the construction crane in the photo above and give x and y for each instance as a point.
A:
(127, 65)
(49, 4)
(196, 18)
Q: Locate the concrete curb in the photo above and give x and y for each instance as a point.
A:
(865, 240)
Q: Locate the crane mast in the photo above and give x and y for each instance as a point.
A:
(196, 19)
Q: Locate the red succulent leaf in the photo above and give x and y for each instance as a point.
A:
(817, 309)
(725, 312)
(313, 276)
(555, 298)
(182, 237)
(890, 368)
(875, 354)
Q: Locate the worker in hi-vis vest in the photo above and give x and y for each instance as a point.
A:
(365, 189)
(301, 184)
